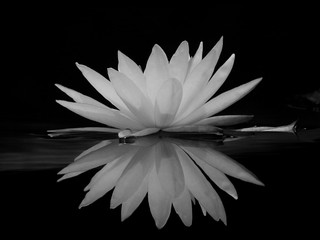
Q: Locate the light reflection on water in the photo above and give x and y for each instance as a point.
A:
(37, 151)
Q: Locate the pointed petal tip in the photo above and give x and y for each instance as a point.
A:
(61, 172)
(258, 79)
(61, 102)
(62, 88)
(156, 48)
(220, 42)
(79, 66)
(81, 204)
(260, 183)
(123, 218)
(114, 202)
(159, 224)
(120, 54)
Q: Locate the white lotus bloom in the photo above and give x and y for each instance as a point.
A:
(165, 169)
(169, 95)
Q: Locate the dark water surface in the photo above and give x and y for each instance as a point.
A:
(34, 204)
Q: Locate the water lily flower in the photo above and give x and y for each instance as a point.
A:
(164, 169)
(169, 95)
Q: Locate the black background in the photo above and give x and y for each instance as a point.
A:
(40, 48)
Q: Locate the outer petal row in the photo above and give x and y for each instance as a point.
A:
(219, 103)
(107, 116)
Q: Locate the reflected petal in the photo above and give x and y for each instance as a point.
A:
(126, 156)
(129, 206)
(106, 180)
(201, 188)
(133, 176)
(217, 177)
(169, 169)
(222, 162)
(183, 207)
(94, 148)
(99, 157)
(159, 200)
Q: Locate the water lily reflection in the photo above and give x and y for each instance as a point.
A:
(168, 169)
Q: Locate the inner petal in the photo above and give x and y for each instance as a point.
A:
(167, 102)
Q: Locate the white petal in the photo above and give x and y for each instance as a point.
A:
(129, 206)
(207, 64)
(159, 200)
(217, 177)
(204, 212)
(85, 129)
(107, 116)
(134, 99)
(156, 72)
(183, 207)
(197, 58)
(133, 176)
(210, 89)
(69, 175)
(78, 97)
(218, 78)
(199, 76)
(169, 169)
(106, 181)
(222, 162)
(178, 66)
(167, 102)
(103, 86)
(219, 103)
(132, 71)
(226, 120)
(201, 188)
